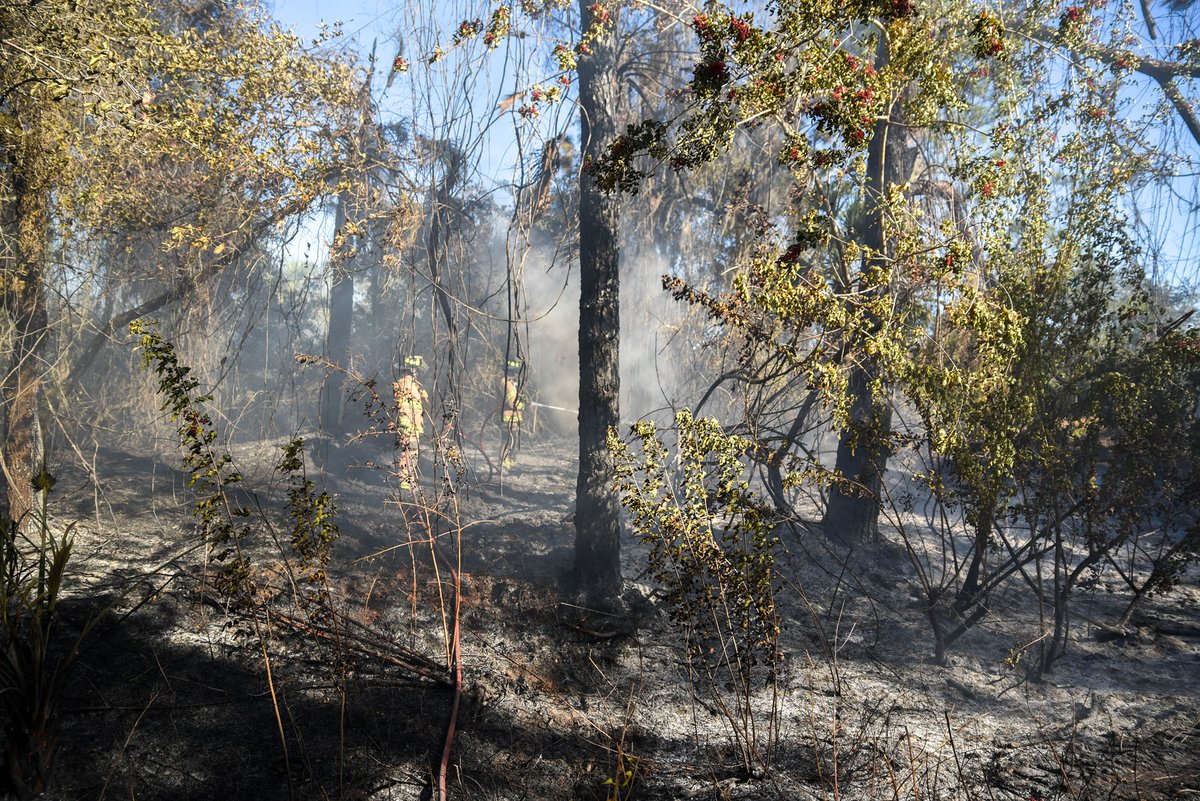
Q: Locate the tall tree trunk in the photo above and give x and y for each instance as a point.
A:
(597, 508)
(437, 248)
(381, 316)
(25, 306)
(337, 338)
(852, 515)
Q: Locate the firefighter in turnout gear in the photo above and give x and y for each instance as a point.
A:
(410, 399)
(511, 411)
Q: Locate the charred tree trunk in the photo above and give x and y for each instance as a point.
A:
(379, 313)
(337, 339)
(852, 515)
(597, 508)
(20, 390)
(445, 219)
(438, 253)
(968, 594)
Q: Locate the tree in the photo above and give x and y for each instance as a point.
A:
(222, 121)
(36, 138)
(337, 336)
(942, 286)
(611, 71)
(355, 238)
(852, 514)
(597, 507)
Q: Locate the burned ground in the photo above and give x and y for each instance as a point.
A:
(180, 694)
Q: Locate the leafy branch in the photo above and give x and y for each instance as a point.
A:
(223, 523)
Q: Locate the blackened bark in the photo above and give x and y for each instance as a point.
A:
(437, 249)
(25, 306)
(597, 508)
(852, 515)
(337, 339)
(968, 594)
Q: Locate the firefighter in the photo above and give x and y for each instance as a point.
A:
(510, 411)
(410, 399)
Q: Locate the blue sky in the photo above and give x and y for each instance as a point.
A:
(361, 17)
(459, 99)
(436, 94)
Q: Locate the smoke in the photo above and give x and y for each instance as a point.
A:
(653, 356)
(552, 313)
(658, 354)
(243, 345)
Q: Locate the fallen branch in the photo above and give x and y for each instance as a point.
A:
(370, 647)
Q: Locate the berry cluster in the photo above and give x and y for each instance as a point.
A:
(1076, 20)
(989, 175)
(599, 19)
(540, 95)
(793, 253)
(708, 77)
(617, 169)
(498, 27)
(600, 14)
(712, 29)
(565, 57)
(988, 35)
(1189, 344)
(467, 29)
(956, 259)
(849, 111)
(740, 28)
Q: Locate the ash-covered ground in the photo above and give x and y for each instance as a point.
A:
(180, 694)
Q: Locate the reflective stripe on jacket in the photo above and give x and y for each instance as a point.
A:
(513, 402)
(410, 405)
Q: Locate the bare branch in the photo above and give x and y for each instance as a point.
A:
(1151, 27)
(1162, 72)
(1181, 105)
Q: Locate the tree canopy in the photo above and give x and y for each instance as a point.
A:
(962, 280)
(151, 149)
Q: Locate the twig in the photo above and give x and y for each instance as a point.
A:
(409, 660)
(287, 763)
(128, 739)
